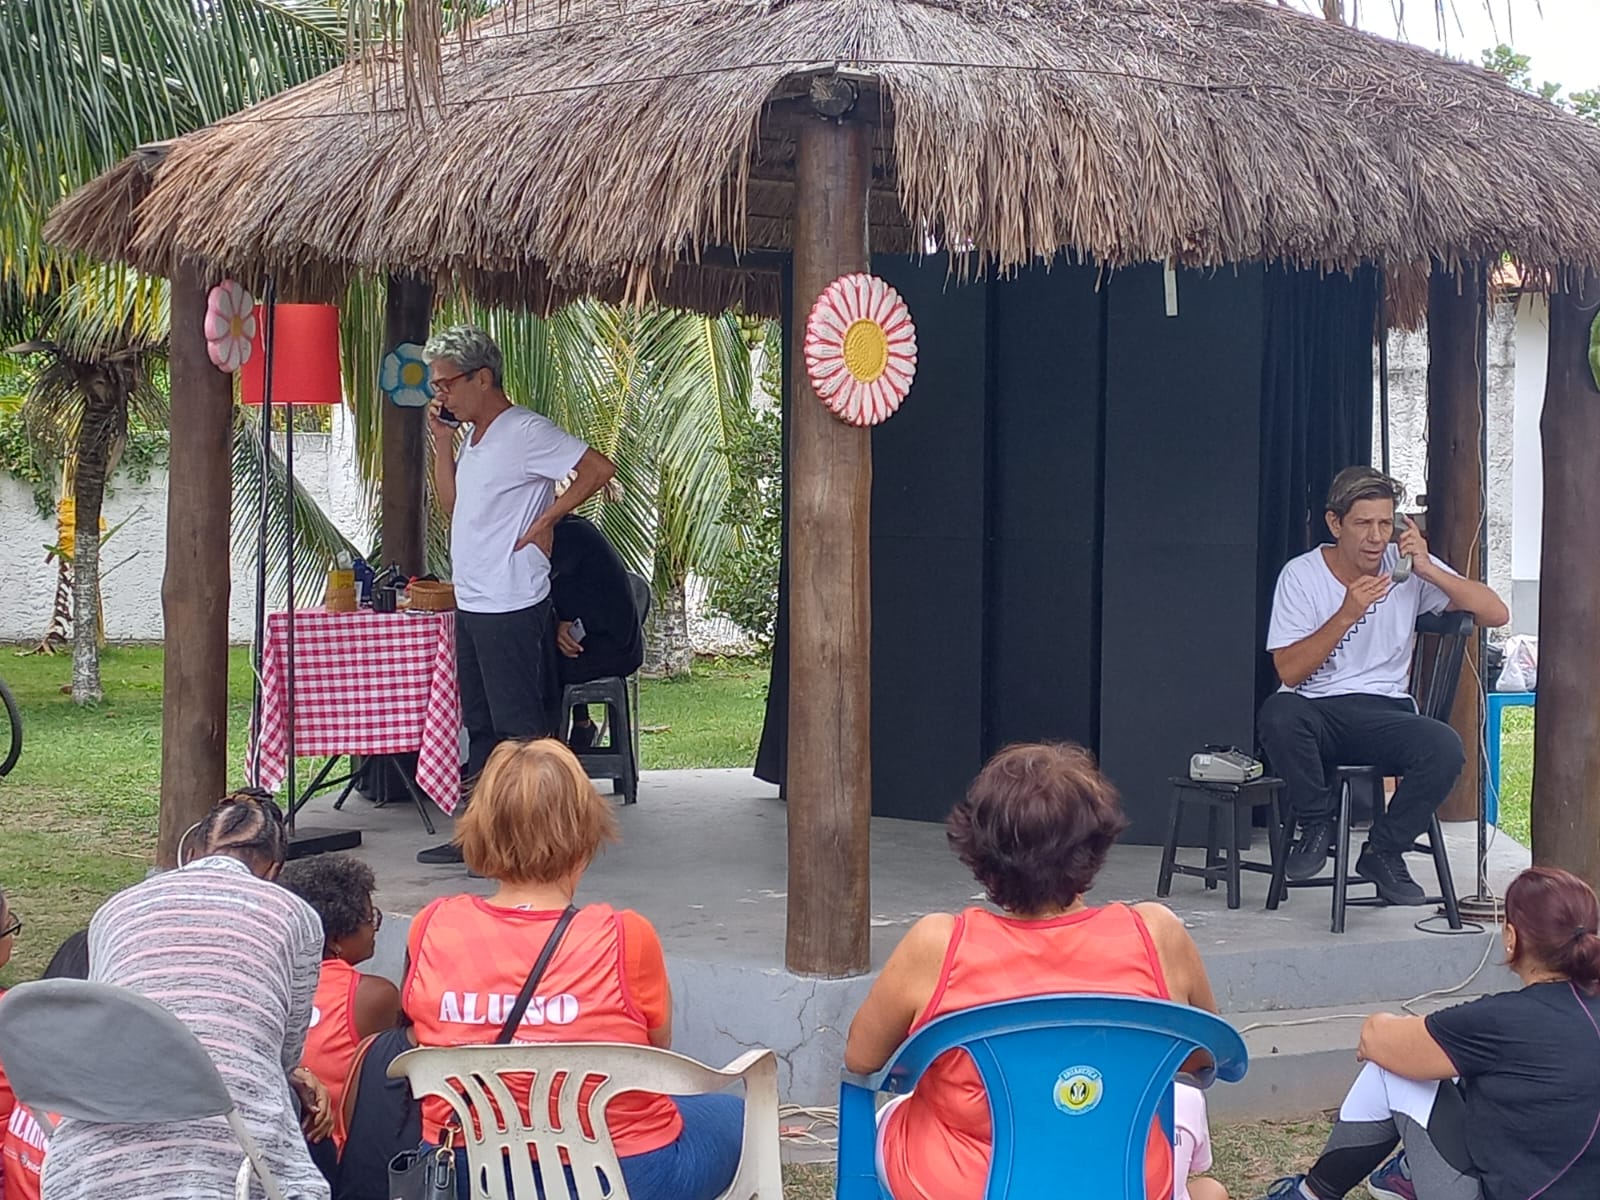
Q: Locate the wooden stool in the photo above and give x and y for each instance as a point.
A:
(1222, 859)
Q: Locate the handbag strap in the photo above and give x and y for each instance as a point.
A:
(525, 997)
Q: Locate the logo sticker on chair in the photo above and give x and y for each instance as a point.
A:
(1078, 1090)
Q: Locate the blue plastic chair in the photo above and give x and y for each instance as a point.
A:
(1073, 1084)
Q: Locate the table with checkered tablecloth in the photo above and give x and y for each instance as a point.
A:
(364, 683)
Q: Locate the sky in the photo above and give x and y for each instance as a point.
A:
(1562, 37)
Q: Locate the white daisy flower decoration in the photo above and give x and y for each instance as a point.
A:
(230, 325)
(861, 349)
(404, 377)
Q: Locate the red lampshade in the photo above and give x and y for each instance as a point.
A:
(305, 356)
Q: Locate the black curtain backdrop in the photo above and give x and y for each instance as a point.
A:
(1316, 417)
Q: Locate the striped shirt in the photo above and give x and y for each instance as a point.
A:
(236, 959)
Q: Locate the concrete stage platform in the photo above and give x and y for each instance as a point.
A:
(703, 857)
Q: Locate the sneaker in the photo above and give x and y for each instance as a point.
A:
(1290, 1187)
(443, 855)
(1392, 1181)
(1387, 869)
(1308, 855)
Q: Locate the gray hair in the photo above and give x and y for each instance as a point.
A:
(1361, 483)
(470, 348)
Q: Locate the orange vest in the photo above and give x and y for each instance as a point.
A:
(936, 1142)
(21, 1156)
(332, 1039)
(469, 960)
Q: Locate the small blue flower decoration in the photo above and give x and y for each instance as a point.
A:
(404, 377)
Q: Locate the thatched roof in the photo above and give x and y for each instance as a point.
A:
(607, 147)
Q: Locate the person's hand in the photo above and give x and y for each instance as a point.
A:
(1413, 543)
(540, 534)
(316, 1107)
(1362, 595)
(439, 428)
(565, 642)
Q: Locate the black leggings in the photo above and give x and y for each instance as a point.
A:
(1369, 1128)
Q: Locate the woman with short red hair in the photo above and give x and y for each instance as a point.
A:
(1495, 1099)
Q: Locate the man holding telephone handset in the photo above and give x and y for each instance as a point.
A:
(1341, 634)
(499, 489)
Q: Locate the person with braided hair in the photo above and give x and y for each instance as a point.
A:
(235, 958)
(1494, 1099)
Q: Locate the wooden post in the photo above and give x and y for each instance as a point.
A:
(408, 307)
(1455, 481)
(1566, 742)
(830, 494)
(194, 589)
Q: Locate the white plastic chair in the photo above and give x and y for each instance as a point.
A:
(472, 1080)
(103, 1054)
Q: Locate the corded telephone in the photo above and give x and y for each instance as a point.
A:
(1402, 568)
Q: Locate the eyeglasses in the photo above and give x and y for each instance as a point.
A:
(448, 383)
(13, 926)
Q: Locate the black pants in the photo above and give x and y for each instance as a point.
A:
(504, 671)
(1305, 739)
(587, 667)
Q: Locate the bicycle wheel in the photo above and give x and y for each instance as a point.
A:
(14, 720)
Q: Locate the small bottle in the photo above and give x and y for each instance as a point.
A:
(363, 575)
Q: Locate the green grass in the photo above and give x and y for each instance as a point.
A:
(1516, 771)
(78, 814)
(1247, 1157)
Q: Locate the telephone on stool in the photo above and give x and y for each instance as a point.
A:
(1224, 764)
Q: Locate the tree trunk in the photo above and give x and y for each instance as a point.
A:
(1456, 407)
(669, 651)
(194, 589)
(1566, 733)
(61, 611)
(829, 482)
(96, 435)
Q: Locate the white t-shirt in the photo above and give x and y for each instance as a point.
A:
(502, 484)
(1374, 658)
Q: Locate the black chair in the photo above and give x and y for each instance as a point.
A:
(618, 759)
(1435, 674)
(1223, 861)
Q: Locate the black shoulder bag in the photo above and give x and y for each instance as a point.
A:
(429, 1171)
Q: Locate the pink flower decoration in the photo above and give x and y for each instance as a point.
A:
(861, 349)
(230, 325)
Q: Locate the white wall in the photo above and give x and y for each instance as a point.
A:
(324, 463)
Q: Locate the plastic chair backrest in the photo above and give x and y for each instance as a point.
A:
(642, 597)
(1073, 1082)
(104, 1054)
(1436, 660)
(553, 1087)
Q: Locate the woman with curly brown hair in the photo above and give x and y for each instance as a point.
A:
(1034, 830)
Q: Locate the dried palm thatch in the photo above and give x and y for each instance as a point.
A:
(646, 148)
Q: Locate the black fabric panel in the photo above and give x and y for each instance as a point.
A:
(1178, 628)
(928, 464)
(772, 755)
(1041, 620)
(1316, 417)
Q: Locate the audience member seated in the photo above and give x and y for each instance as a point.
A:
(10, 926)
(22, 1147)
(534, 826)
(1341, 636)
(1034, 830)
(596, 624)
(235, 958)
(1495, 1099)
(349, 1006)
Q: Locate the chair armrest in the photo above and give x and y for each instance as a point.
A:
(858, 1141)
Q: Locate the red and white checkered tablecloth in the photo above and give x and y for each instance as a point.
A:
(365, 683)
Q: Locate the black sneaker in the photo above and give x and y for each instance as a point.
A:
(1387, 869)
(443, 855)
(1308, 854)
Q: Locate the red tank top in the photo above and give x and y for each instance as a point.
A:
(469, 960)
(936, 1142)
(332, 1039)
(21, 1156)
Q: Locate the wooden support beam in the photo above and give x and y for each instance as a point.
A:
(1566, 742)
(829, 786)
(1455, 481)
(194, 589)
(407, 310)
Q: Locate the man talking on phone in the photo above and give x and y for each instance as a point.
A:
(1341, 634)
(499, 490)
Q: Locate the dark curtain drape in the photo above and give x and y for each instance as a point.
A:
(772, 758)
(1316, 415)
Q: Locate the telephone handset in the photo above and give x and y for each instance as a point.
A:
(1402, 568)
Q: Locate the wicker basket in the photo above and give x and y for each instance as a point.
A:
(430, 596)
